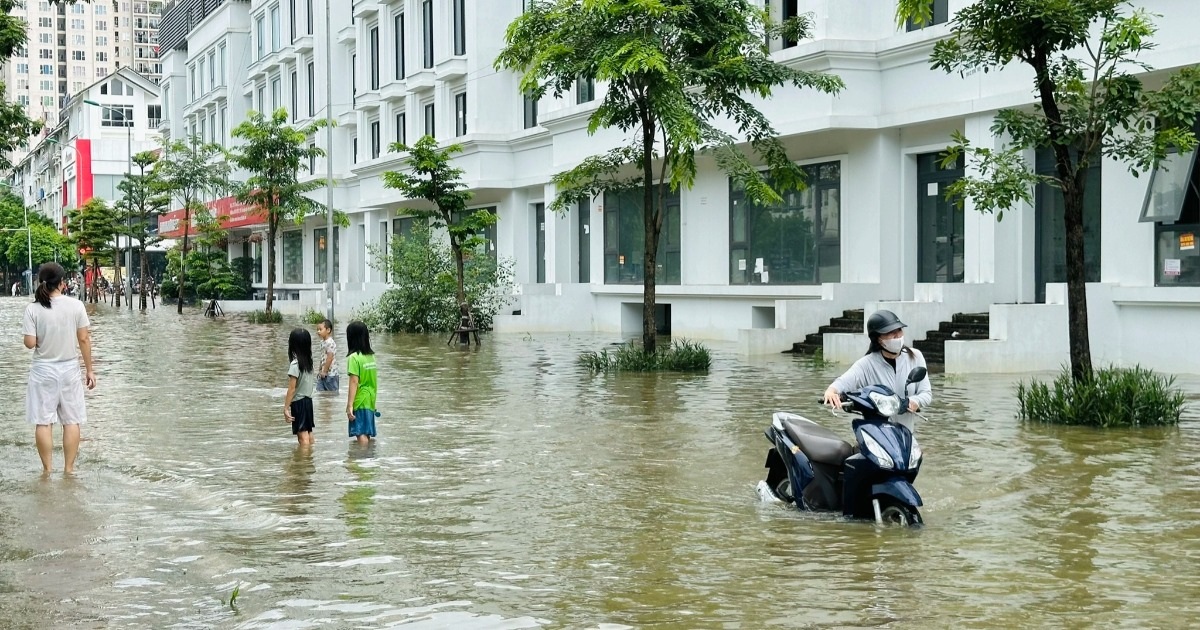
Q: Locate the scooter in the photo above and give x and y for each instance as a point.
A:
(814, 469)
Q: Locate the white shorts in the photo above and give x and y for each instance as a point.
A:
(55, 393)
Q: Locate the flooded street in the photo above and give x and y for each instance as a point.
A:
(511, 489)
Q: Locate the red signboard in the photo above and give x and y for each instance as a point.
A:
(230, 213)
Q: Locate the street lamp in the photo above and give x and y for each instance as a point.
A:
(28, 241)
(128, 122)
(329, 158)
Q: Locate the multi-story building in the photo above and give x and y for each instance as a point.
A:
(872, 230)
(70, 46)
(87, 153)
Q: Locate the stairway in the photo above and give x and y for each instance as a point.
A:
(851, 321)
(961, 327)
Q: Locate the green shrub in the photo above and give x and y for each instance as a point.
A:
(313, 316)
(680, 356)
(1112, 397)
(209, 276)
(263, 317)
(421, 298)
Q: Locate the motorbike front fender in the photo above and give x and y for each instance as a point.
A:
(899, 489)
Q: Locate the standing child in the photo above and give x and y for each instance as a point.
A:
(327, 375)
(297, 406)
(360, 365)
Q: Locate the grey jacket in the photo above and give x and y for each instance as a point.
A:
(873, 369)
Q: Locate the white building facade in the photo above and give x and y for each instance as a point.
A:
(872, 230)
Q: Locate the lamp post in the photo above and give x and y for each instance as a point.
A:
(128, 122)
(329, 160)
(28, 242)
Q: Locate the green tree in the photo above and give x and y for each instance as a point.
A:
(143, 200)
(675, 70)
(1083, 55)
(92, 228)
(433, 179)
(15, 126)
(274, 152)
(192, 172)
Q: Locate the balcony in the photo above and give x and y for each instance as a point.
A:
(348, 118)
(366, 8)
(348, 35)
(451, 69)
(303, 43)
(163, 124)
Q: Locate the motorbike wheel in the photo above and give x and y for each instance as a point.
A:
(894, 512)
(784, 491)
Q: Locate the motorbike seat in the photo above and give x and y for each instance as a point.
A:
(818, 443)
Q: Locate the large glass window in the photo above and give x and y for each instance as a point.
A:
(489, 233)
(320, 265)
(625, 239)
(427, 30)
(460, 27)
(585, 90)
(941, 222)
(260, 38)
(1050, 230)
(460, 114)
(1177, 260)
(312, 91)
(531, 112)
(275, 38)
(941, 15)
(795, 242)
(293, 257)
(374, 43)
(399, 61)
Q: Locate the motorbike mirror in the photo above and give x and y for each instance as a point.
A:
(917, 374)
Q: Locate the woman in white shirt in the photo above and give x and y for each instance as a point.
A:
(56, 328)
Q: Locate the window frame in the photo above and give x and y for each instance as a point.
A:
(460, 114)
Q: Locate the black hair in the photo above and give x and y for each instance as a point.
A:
(358, 339)
(327, 324)
(50, 277)
(300, 349)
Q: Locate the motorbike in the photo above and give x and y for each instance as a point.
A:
(810, 467)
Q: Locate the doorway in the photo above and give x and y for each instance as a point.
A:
(940, 222)
(1050, 231)
(539, 212)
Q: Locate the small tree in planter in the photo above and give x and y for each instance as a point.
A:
(144, 199)
(92, 228)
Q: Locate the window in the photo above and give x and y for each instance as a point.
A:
(153, 115)
(375, 139)
(212, 128)
(275, 39)
(203, 129)
(941, 225)
(625, 238)
(116, 116)
(295, 103)
(585, 90)
(212, 70)
(262, 99)
(489, 233)
(101, 56)
(78, 55)
(101, 40)
(100, 9)
(260, 38)
(460, 114)
(79, 25)
(223, 122)
(430, 127)
(790, 10)
(460, 27)
(221, 58)
(320, 263)
(45, 22)
(200, 75)
(292, 20)
(45, 53)
(191, 84)
(312, 158)
(794, 242)
(403, 226)
(941, 15)
(354, 149)
(47, 69)
(354, 79)
(1050, 231)
(1173, 204)
(276, 93)
(427, 30)
(293, 257)
(374, 42)
(531, 112)
(101, 25)
(402, 128)
(308, 13)
(399, 28)
(22, 68)
(312, 91)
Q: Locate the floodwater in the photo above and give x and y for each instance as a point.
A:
(510, 489)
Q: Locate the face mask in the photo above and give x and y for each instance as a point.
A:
(893, 346)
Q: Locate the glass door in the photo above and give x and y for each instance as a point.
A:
(940, 227)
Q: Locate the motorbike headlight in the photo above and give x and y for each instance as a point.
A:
(915, 454)
(887, 406)
(876, 449)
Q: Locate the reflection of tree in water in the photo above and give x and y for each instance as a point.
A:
(358, 499)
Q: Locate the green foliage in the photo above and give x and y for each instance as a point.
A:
(423, 295)
(48, 243)
(264, 317)
(212, 277)
(144, 199)
(93, 227)
(313, 316)
(274, 152)
(432, 178)
(674, 70)
(1113, 397)
(680, 356)
(15, 126)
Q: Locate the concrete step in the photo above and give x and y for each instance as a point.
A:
(983, 328)
(971, 318)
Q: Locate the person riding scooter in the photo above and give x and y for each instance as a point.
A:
(888, 361)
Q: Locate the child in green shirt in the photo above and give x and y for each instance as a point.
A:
(360, 365)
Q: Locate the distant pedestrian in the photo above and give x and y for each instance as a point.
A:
(16, 289)
(360, 401)
(297, 405)
(327, 374)
(56, 328)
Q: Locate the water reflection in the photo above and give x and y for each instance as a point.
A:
(510, 488)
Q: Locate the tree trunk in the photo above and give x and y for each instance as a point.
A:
(272, 226)
(456, 247)
(117, 280)
(187, 227)
(650, 248)
(143, 269)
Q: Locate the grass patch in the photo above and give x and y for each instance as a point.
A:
(313, 317)
(1113, 397)
(264, 317)
(680, 355)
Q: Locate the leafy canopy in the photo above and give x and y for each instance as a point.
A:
(274, 153)
(676, 70)
(15, 126)
(143, 198)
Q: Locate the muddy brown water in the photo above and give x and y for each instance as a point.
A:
(511, 489)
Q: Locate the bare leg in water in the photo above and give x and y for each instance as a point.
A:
(70, 446)
(44, 436)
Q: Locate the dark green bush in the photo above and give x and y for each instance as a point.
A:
(1112, 397)
(263, 317)
(680, 355)
(312, 316)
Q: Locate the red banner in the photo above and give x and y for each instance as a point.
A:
(228, 211)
